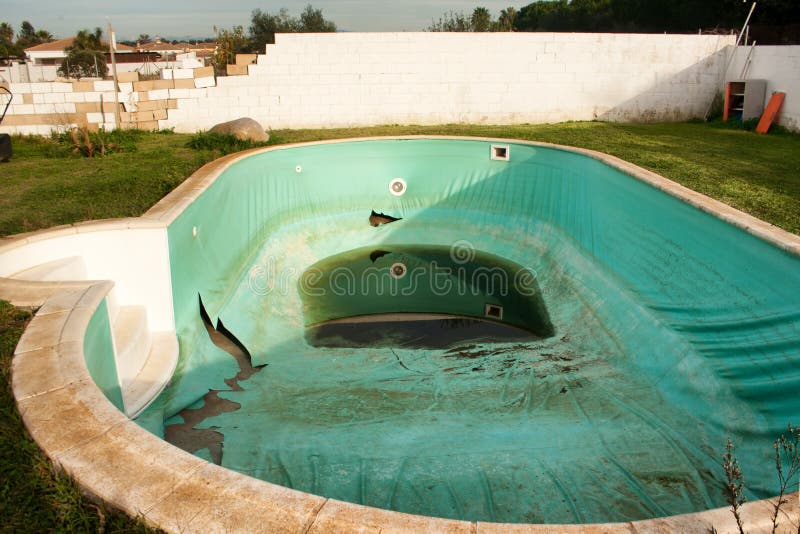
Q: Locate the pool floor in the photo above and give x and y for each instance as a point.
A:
(612, 418)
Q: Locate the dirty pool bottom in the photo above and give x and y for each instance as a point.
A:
(549, 422)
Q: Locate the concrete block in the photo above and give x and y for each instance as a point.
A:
(88, 107)
(143, 116)
(44, 108)
(125, 87)
(208, 81)
(105, 85)
(246, 59)
(184, 83)
(53, 98)
(166, 74)
(123, 77)
(159, 94)
(92, 97)
(144, 85)
(74, 97)
(95, 117)
(191, 63)
(62, 87)
(148, 125)
(152, 105)
(18, 88)
(236, 70)
(182, 73)
(176, 93)
(41, 88)
(21, 109)
(82, 86)
(204, 72)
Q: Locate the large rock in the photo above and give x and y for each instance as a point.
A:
(245, 129)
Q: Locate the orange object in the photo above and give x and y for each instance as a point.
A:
(774, 106)
(727, 101)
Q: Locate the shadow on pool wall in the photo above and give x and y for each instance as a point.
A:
(673, 331)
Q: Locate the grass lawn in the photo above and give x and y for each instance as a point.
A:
(44, 185)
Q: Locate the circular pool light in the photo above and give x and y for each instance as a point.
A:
(298, 169)
(398, 270)
(398, 187)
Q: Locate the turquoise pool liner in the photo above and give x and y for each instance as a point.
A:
(672, 331)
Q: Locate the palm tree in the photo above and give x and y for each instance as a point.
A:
(86, 40)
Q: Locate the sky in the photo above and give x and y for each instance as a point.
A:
(196, 18)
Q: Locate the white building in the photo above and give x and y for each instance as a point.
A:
(54, 52)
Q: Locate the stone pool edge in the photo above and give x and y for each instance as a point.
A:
(118, 462)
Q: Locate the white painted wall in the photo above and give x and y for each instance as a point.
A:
(780, 66)
(355, 79)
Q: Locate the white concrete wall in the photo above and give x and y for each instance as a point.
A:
(780, 66)
(354, 79)
(25, 72)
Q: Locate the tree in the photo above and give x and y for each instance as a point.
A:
(312, 21)
(656, 16)
(481, 20)
(6, 40)
(143, 38)
(28, 36)
(6, 32)
(85, 56)
(451, 21)
(505, 22)
(264, 26)
(229, 43)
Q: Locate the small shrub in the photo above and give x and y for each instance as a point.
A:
(100, 143)
(222, 143)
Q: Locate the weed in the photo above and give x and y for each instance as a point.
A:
(787, 464)
(734, 494)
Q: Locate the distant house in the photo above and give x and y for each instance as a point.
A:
(168, 51)
(54, 52)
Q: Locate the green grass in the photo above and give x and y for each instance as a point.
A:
(44, 185)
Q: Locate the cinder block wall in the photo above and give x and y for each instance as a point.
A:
(359, 79)
(780, 66)
(354, 79)
(43, 107)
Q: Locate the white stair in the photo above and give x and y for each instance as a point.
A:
(154, 375)
(71, 268)
(145, 360)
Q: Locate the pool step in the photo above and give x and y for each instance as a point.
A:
(132, 341)
(71, 268)
(154, 375)
(145, 360)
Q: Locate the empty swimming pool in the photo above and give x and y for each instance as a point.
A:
(650, 333)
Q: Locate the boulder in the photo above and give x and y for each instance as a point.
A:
(245, 129)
